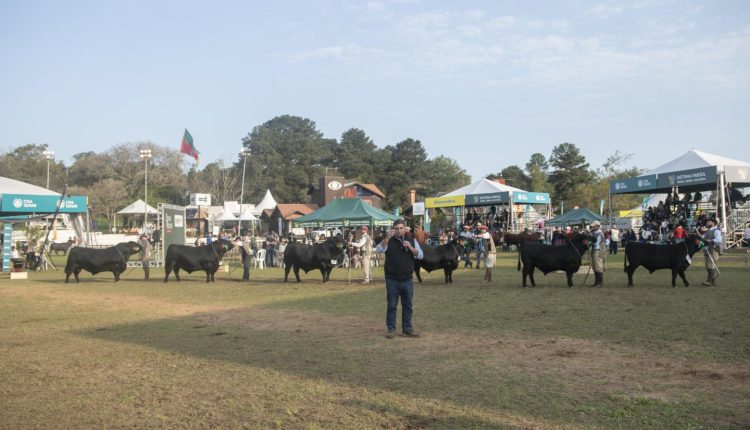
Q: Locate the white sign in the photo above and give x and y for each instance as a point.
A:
(418, 208)
(335, 185)
(178, 221)
(197, 199)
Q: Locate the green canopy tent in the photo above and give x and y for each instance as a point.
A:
(347, 213)
(576, 216)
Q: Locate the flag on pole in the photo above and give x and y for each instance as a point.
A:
(187, 146)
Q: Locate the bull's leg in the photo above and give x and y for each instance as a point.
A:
(447, 275)
(684, 280)
(631, 269)
(569, 275)
(523, 275)
(674, 278)
(76, 273)
(167, 270)
(287, 268)
(418, 273)
(323, 272)
(177, 273)
(116, 272)
(296, 273)
(67, 276)
(328, 273)
(531, 276)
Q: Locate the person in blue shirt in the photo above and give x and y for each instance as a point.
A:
(400, 253)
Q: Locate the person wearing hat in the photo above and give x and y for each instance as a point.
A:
(365, 251)
(145, 254)
(712, 239)
(479, 244)
(490, 253)
(597, 253)
(243, 243)
(468, 238)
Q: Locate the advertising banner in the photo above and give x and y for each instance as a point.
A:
(7, 243)
(530, 198)
(487, 199)
(632, 185)
(29, 203)
(704, 175)
(444, 202)
(418, 208)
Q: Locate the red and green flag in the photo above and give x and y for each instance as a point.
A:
(187, 146)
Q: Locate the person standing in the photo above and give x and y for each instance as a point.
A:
(479, 244)
(597, 253)
(468, 237)
(713, 241)
(614, 239)
(746, 237)
(400, 253)
(490, 253)
(247, 255)
(679, 234)
(145, 254)
(364, 244)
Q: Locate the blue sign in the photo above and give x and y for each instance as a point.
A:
(530, 198)
(632, 185)
(682, 178)
(7, 242)
(28, 203)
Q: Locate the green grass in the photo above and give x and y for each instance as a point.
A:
(269, 354)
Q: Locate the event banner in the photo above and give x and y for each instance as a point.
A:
(7, 243)
(530, 198)
(737, 174)
(487, 199)
(444, 202)
(632, 185)
(28, 203)
(684, 178)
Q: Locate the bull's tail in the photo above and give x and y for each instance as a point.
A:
(519, 259)
(625, 269)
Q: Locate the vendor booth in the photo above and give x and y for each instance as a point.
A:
(578, 216)
(345, 213)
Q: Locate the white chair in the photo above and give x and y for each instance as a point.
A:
(260, 259)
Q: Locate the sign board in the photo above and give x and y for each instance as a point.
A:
(29, 203)
(173, 224)
(530, 198)
(7, 243)
(632, 185)
(737, 174)
(682, 178)
(486, 199)
(444, 202)
(417, 208)
(198, 199)
(343, 223)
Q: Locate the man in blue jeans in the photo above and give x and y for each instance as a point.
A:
(400, 253)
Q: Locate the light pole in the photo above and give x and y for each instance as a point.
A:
(145, 154)
(49, 155)
(245, 152)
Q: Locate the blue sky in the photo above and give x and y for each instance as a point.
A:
(487, 83)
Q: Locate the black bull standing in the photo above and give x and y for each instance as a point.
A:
(549, 258)
(654, 257)
(192, 258)
(441, 257)
(113, 259)
(321, 256)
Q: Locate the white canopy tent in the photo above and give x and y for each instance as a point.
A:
(482, 186)
(225, 216)
(138, 207)
(268, 202)
(695, 159)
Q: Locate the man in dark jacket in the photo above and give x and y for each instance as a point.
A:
(400, 253)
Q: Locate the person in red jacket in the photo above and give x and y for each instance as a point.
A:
(679, 233)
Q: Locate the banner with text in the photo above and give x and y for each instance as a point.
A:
(684, 178)
(530, 198)
(632, 185)
(487, 199)
(29, 203)
(444, 202)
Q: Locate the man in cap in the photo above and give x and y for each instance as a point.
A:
(365, 251)
(712, 239)
(597, 253)
(145, 254)
(468, 237)
(490, 253)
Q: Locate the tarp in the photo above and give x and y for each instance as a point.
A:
(576, 216)
(137, 208)
(347, 213)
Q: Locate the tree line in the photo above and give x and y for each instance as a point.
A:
(286, 155)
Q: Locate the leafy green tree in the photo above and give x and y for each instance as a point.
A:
(88, 168)
(443, 174)
(287, 154)
(570, 171)
(514, 176)
(355, 156)
(537, 170)
(406, 169)
(27, 163)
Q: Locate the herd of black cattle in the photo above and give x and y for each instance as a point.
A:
(532, 255)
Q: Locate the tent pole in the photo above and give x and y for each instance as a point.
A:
(723, 210)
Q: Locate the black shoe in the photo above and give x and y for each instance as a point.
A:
(391, 334)
(410, 334)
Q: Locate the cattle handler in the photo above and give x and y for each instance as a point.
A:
(365, 250)
(597, 253)
(712, 238)
(145, 254)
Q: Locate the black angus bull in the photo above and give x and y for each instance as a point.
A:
(655, 257)
(440, 257)
(113, 259)
(192, 258)
(321, 256)
(549, 258)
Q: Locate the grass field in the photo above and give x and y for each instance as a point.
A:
(266, 354)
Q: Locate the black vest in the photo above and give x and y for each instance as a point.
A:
(399, 261)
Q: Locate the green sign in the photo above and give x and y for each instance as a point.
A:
(685, 178)
(173, 224)
(632, 185)
(28, 203)
(486, 199)
(530, 198)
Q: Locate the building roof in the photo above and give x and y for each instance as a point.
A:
(695, 159)
(12, 186)
(294, 210)
(369, 187)
(482, 186)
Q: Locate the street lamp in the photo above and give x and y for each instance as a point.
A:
(244, 153)
(145, 154)
(49, 155)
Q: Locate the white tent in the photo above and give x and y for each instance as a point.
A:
(12, 186)
(695, 159)
(247, 214)
(225, 216)
(268, 202)
(137, 208)
(482, 186)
